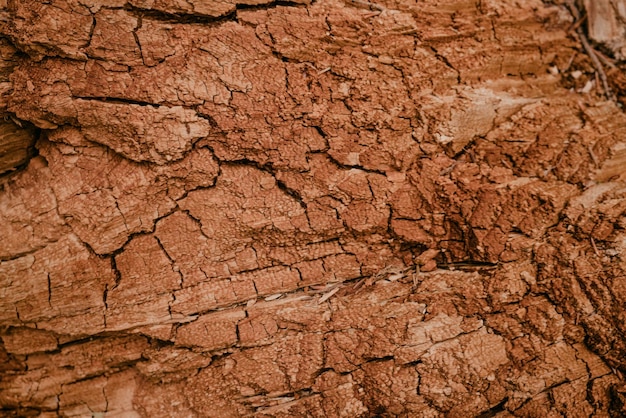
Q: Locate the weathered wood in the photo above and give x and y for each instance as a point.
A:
(309, 209)
(606, 22)
(16, 145)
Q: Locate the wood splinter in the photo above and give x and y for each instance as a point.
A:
(589, 50)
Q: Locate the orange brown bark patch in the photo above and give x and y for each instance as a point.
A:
(307, 209)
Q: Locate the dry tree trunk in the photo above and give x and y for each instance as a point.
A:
(326, 208)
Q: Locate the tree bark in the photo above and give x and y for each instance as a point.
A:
(333, 209)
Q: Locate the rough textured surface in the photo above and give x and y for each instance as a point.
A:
(16, 137)
(607, 24)
(308, 209)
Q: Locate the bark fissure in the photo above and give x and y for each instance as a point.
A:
(309, 209)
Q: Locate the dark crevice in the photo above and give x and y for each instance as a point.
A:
(175, 268)
(91, 32)
(49, 291)
(79, 340)
(104, 300)
(320, 131)
(286, 59)
(111, 369)
(211, 121)
(17, 315)
(137, 40)
(30, 149)
(158, 343)
(118, 100)
(182, 18)
(446, 62)
(116, 272)
(617, 399)
(25, 411)
(272, 5)
(378, 359)
(466, 150)
(198, 222)
(130, 237)
(291, 192)
(494, 410)
(468, 265)
(268, 168)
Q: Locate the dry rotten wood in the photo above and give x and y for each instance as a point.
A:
(308, 209)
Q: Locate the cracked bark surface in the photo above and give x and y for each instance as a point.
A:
(216, 208)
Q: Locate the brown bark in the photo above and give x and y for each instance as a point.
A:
(309, 209)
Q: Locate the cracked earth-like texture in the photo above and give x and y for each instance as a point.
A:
(277, 209)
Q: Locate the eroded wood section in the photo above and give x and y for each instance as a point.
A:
(607, 24)
(309, 209)
(16, 138)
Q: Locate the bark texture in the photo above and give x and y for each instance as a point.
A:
(308, 209)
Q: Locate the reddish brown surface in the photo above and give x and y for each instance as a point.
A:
(309, 210)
